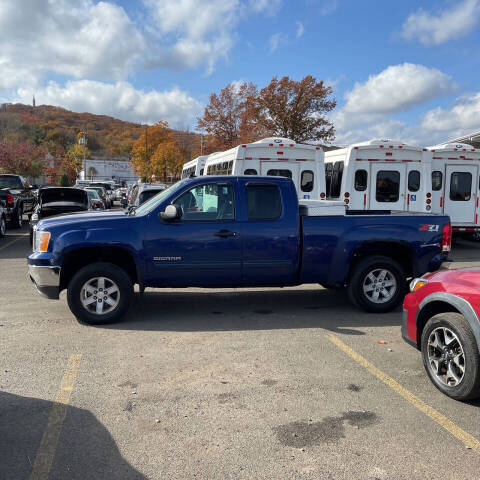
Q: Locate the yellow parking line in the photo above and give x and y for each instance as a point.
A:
(13, 241)
(48, 445)
(436, 416)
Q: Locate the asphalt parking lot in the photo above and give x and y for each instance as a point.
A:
(266, 383)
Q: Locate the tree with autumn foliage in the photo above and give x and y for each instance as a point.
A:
(229, 118)
(22, 158)
(284, 108)
(164, 155)
(296, 109)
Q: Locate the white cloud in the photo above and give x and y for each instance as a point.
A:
(200, 32)
(120, 100)
(327, 7)
(77, 39)
(464, 116)
(276, 41)
(300, 29)
(431, 29)
(397, 88)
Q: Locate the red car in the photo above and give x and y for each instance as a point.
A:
(441, 318)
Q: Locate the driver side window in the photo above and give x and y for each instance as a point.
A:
(208, 202)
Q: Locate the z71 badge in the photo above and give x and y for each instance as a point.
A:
(429, 228)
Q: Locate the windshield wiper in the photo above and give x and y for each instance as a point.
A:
(131, 210)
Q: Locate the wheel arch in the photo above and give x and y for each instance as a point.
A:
(443, 302)
(78, 258)
(397, 251)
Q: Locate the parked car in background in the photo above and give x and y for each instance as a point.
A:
(18, 196)
(57, 200)
(144, 192)
(3, 219)
(441, 319)
(107, 186)
(120, 193)
(232, 231)
(102, 194)
(96, 203)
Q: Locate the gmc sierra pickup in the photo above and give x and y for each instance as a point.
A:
(240, 231)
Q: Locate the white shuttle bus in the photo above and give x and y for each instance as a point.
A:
(194, 167)
(380, 175)
(456, 184)
(275, 157)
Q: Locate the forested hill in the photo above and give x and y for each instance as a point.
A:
(49, 125)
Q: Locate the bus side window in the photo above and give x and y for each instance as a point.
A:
(361, 180)
(414, 181)
(336, 185)
(306, 183)
(328, 177)
(250, 171)
(201, 171)
(437, 180)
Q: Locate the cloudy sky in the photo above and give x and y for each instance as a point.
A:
(406, 70)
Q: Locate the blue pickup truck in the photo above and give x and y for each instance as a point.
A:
(240, 231)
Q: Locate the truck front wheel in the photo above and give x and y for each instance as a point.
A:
(377, 284)
(100, 293)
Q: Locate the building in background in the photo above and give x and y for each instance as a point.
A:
(119, 169)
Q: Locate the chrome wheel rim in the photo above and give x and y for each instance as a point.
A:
(379, 286)
(446, 358)
(20, 218)
(3, 227)
(100, 295)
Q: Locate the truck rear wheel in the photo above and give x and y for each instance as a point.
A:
(100, 293)
(17, 219)
(3, 226)
(377, 284)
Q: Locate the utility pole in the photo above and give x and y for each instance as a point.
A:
(202, 143)
(146, 154)
(84, 154)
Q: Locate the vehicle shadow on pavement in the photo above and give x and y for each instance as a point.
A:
(85, 448)
(250, 310)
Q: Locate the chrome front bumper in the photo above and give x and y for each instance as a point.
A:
(46, 280)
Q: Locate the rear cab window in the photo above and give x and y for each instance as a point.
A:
(264, 201)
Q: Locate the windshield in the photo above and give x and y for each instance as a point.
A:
(10, 182)
(93, 194)
(157, 199)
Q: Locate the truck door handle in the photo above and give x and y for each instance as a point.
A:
(225, 233)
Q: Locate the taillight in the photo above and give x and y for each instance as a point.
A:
(10, 200)
(446, 239)
(346, 195)
(322, 195)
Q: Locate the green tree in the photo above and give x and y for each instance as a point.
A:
(64, 180)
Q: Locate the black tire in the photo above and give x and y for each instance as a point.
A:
(31, 236)
(359, 275)
(112, 273)
(3, 226)
(469, 387)
(17, 220)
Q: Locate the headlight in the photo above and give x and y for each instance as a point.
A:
(41, 241)
(417, 283)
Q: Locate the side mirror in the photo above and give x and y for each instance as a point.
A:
(172, 212)
(124, 202)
